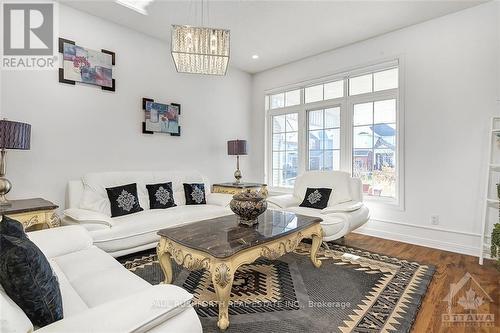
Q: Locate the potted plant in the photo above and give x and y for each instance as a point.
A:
(495, 236)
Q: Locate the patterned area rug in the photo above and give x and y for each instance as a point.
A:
(352, 291)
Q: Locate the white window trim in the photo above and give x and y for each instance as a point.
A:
(346, 129)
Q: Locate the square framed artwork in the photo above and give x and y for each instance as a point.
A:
(161, 118)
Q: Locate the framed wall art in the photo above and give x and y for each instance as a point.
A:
(161, 118)
(86, 65)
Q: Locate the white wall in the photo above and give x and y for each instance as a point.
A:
(451, 83)
(78, 129)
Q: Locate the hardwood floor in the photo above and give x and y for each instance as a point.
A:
(450, 268)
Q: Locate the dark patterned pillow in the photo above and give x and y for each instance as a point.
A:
(316, 198)
(11, 227)
(123, 200)
(161, 196)
(195, 194)
(26, 276)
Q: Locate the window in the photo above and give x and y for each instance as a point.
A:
(324, 92)
(289, 98)
(324, 139)
(350, 124)
(374, 147)
(284, 149)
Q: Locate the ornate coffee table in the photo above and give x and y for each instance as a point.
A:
(221, 245)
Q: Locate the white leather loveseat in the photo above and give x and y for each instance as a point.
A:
(345, 211)
(99, 294)
(88, 205)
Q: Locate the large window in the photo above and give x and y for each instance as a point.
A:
(349, 122)
(285, 149)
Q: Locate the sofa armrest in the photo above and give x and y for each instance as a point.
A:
(345, 207)
(139, 312)
(219, 199)
(55, 242)
(356, 189)
(284, 201)
(85, 216)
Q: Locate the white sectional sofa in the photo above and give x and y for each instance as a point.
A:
(345, 211)
(99, 294)
(88, 205)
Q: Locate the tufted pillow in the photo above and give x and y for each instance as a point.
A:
(27, 277)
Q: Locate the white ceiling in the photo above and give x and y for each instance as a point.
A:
(278, 31)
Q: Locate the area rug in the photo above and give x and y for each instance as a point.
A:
(352, 291)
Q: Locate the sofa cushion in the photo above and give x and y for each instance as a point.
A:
(336, 180)
(140, 229)
(316, 197)
(28, 280)
(62, 240)
(71, 301)
(123, 200)
(161, 195)
(97, 277)
(195, 194)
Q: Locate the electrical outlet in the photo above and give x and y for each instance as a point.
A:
(435, 219)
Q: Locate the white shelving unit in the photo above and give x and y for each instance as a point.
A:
(494, 167)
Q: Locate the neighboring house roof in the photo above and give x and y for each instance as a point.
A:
(383, 130)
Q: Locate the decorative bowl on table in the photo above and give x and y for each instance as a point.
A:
(248, 205)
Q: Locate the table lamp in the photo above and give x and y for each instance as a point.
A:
(237, 147)
(13, 135)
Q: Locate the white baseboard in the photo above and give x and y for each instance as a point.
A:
(413, 235)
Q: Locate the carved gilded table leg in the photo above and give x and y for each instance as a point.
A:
(317, 239)
(164, 259)
(222, 278)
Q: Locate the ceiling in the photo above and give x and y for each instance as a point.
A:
(279, 32)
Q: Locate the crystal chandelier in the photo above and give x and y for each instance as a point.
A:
(200, 50)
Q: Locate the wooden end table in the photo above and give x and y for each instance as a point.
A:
(234, 188)
(34, 213)
(222, 245)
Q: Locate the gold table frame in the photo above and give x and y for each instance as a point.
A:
(222, 269)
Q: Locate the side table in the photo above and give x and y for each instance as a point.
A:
(235, 188)
(34, 213)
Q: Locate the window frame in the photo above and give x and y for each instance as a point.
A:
(346, 105)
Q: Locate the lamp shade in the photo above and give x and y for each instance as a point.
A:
(14, 135)
(237, 147)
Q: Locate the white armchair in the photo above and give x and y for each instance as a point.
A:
(345, 211)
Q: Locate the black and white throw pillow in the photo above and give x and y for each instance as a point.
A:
(195, 194)
(123, 200)
(27, 277)
(161, 196)
(316, 198)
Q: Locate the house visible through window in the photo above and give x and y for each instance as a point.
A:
(349, 123)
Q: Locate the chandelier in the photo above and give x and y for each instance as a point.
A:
(200, 50)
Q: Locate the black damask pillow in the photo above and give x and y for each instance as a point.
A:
(161, 196)
(316, 198)
(195, 194)
(123, 200)
(26, 276)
